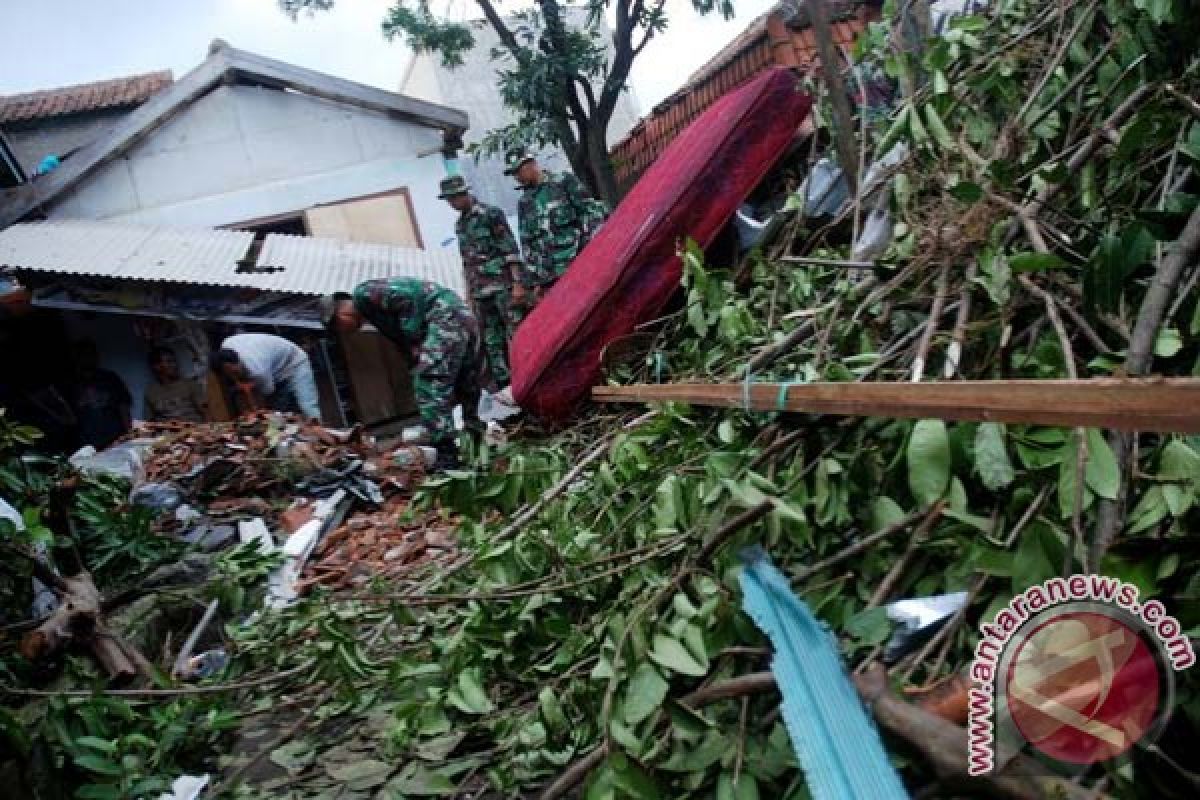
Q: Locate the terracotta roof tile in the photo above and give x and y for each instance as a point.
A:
(744, 57)
(132, 90)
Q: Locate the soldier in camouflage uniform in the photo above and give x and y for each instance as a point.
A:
(437, 334)
(556, 218)
(493, 268)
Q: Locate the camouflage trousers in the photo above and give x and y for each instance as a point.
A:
(447, 373)
(497, 326)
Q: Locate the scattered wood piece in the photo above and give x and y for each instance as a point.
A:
(1128, 404)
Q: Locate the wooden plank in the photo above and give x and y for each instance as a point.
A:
(379, 378)
(134, 126)
(385, 219)
(1168, 405)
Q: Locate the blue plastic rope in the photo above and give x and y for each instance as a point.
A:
(835, 742)
(784, 388)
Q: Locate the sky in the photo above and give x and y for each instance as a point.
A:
(50, 43)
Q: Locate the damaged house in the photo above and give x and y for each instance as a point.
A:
(143, 212)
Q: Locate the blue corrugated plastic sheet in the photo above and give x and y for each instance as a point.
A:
(837, 745)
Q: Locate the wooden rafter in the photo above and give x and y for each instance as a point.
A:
(1168, 405)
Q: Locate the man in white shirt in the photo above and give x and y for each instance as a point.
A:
(273, 368)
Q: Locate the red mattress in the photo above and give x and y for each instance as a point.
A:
(628, 272)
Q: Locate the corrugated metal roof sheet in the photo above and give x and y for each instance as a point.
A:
(133, 252)
(301, 264)
(314, 265)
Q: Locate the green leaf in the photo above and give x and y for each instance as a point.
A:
(966, 192)
(293, 756)
(645, 694)
(1168, 343)
(725, 431)
(685, 758)
(1179, 468)
(439, 748)
(96, 791)
(928, 461)
(1150, 511)
(991, 456)
(1101, 475)
(1032, 564)
(95, 743)
(13, 731)
(672, 654)
(420, 781)
(99, 764)
(630, 778)
(746, 789)
(871, 626)
(1035, 262)
(938, 129)
(885, 512)
(366, 774)
(468, 695)
(1067, 480)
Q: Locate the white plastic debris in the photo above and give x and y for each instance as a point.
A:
(123, 460)
(826, 189)
(917, 612)
(255, 530)
(495, 435)
(414, 454)
(186, 787)
(281, 583)
(875, 237)
(44, 599)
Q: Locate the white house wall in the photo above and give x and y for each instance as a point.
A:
(243, 153)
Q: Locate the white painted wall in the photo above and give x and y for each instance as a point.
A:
(242, 153)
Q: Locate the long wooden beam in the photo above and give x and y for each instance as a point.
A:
(1168, 405)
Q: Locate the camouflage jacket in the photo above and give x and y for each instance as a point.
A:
(489, 250)
(411, 312)
(557, 218)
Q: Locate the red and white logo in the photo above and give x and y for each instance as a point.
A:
(1077, 670)
(1082, 687)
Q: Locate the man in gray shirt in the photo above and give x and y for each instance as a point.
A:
(271, 367)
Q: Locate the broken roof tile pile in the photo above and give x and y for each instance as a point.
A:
(270, 467)
(381, 544)
(116, 93)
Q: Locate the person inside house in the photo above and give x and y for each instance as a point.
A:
(100, 400)
(438, 336)
(494, 271)
(171, 396)
(267, 370)
(556, 219)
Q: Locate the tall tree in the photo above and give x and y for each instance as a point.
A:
(557, 78)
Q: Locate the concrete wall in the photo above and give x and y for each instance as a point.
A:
(32, 141)
(242, 153)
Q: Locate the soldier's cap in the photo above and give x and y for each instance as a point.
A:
(514, 159)
(328, 305)
(454, 185)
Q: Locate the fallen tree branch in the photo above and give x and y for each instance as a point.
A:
(868, 542)
(1110, 514)
(942, 743)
